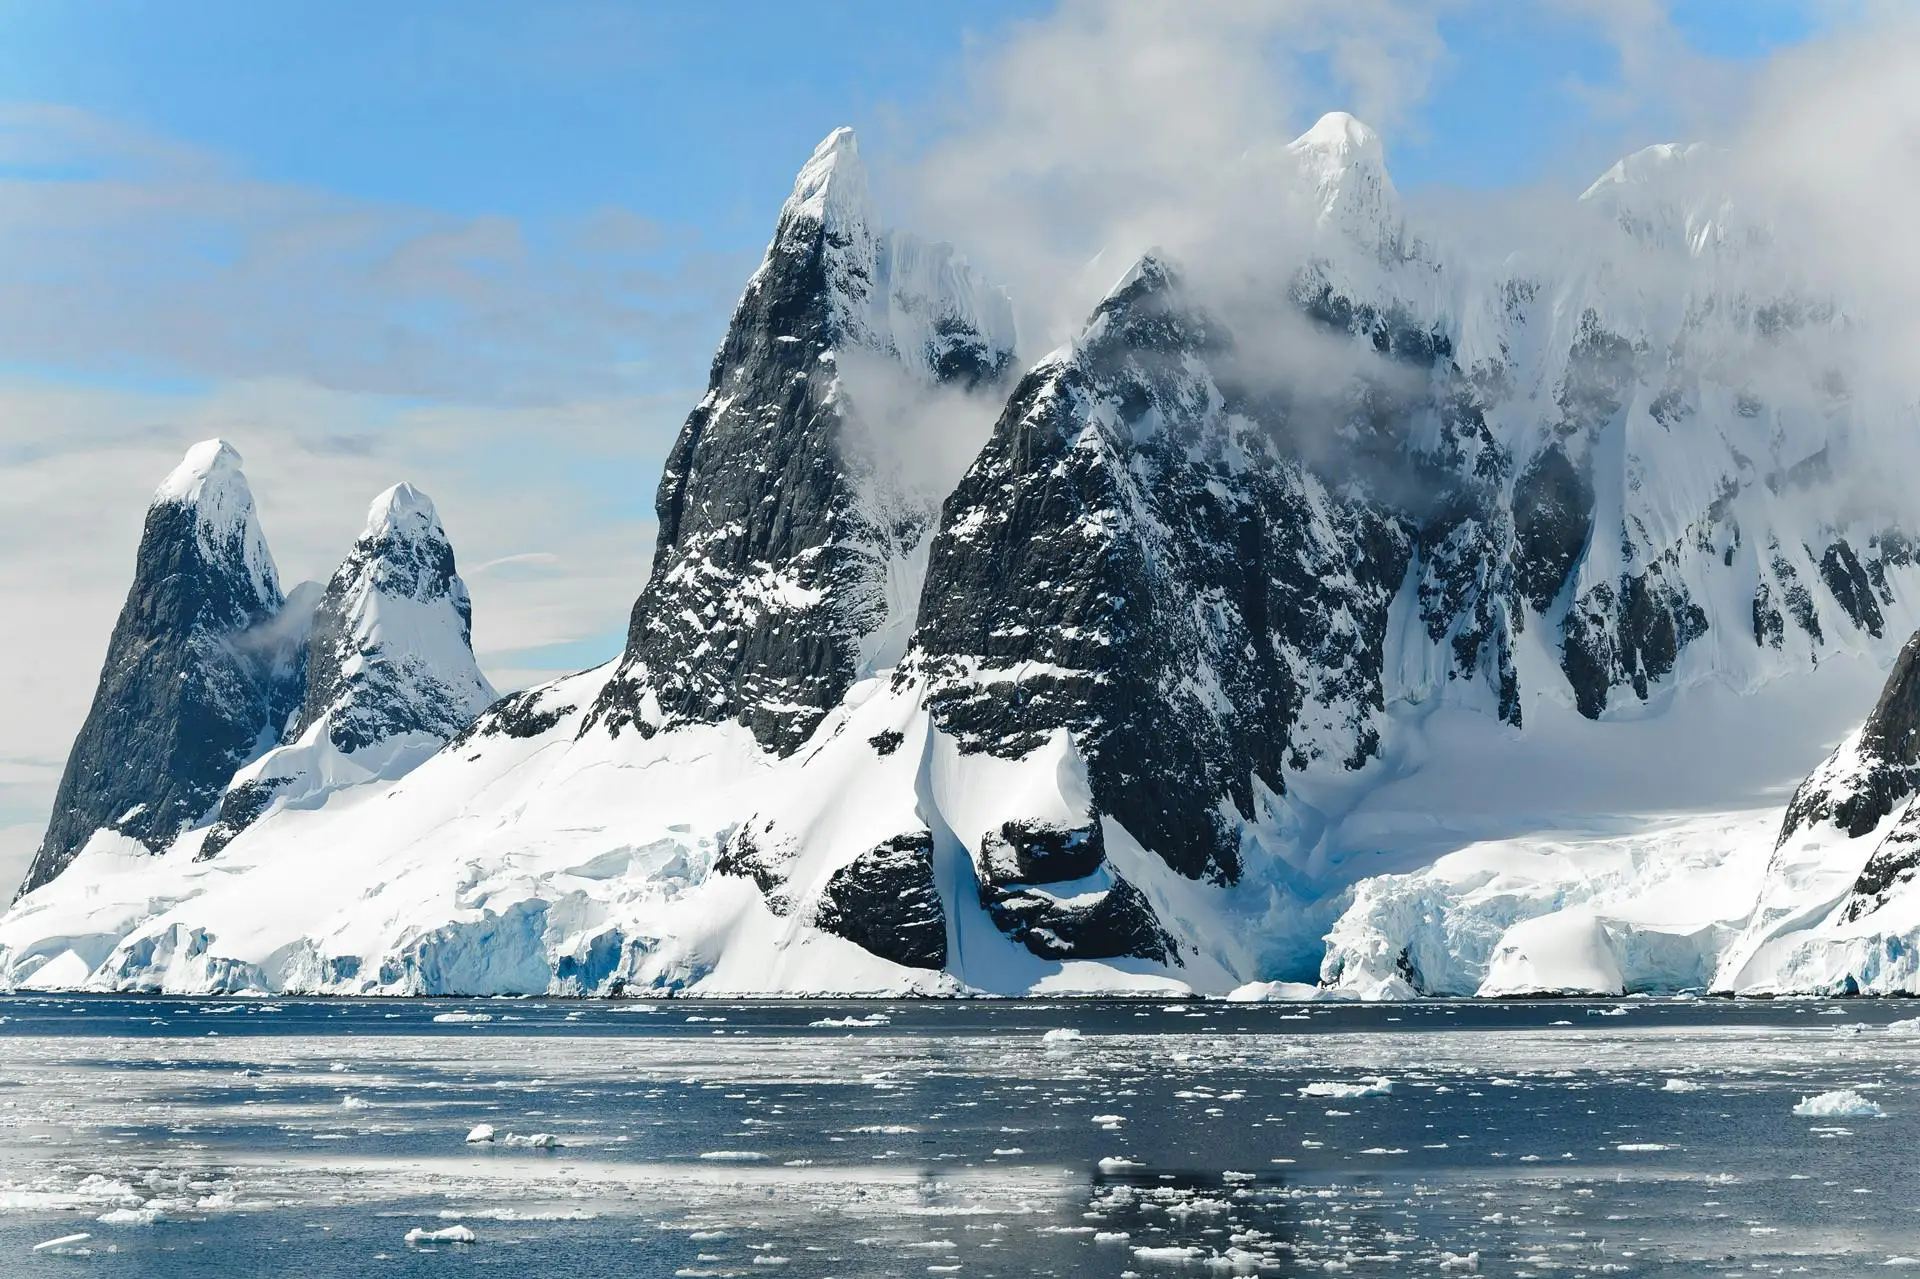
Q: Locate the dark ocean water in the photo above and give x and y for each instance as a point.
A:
(309, 1137)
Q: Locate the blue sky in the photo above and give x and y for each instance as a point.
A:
(489, 247)
(692, 114)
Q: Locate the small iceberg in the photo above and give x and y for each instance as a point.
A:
(1842, 1103)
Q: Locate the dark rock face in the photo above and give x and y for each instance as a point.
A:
(885, 901)
(525, 714)
(1628, 635)
(1042, 852)
(1117, 924)
(201, 673)
(1049, 888)
(747, 854)
(1552, 516)
(1852, 587)
(1132, 561)
(768, 569)
(1865, 780)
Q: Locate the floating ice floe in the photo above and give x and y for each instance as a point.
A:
(480, 1133)
(835, 1023)
(1842, 1103)
(1061, 1035)
(1679, 1085)
(446, 1234)
(461, 1019)
(535, 1141)
(1377, 1086)
(733, 1156)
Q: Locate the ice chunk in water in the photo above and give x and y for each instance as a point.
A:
(1842, 1103)
(446, 1234)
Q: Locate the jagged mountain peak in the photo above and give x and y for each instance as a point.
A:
(1661, 162)
(403, 511)
(832, 185)
(210, 468)
(210, 482)
(390, 673)
(1344, 167)
(1339, 135)
(1675, 195)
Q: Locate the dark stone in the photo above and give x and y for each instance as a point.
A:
(524, 714)
(1118, 923)
(1627, 635)
(885, 901)
(745, 856)
(1042, 852)
(1852, 587)
(1552, 518)
(240, 808)
(886, 742)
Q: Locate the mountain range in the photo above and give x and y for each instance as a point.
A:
(1396, 620)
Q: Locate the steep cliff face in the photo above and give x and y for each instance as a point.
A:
(782, 548)
(203, 669)
(1875, 770)
(1137, 558)
(390, 671)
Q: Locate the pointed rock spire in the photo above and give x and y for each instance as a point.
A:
(766, 581)
(200, 673)
(390, 673)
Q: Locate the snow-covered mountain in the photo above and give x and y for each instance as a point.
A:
(205, 665)
(1405, 619)
(390, 671)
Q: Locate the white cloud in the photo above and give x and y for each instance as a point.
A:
(1115, 125)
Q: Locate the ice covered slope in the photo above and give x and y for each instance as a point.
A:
(1838, 911)
(782, 547)
(390, 672)
(201, 673)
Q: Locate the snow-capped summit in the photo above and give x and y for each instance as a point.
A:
(390, 672)
(402, 511)
(210, 482)
(1345, 167)
(1672, 196)
(200, 673)
(1339, 140)
(832, 185)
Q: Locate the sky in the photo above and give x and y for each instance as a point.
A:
(489, 247)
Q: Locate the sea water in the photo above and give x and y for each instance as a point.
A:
(224, 1137)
